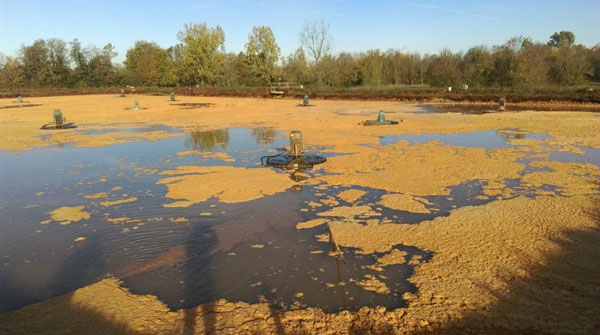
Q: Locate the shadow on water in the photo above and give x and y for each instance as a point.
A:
(543, 302)
(207, 140)
(65, 315)
(197, 267)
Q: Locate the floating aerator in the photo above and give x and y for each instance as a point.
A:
(501, 104)
(380, 120)
(295, 158)
(60, 122)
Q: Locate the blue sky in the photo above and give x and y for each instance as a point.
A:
(424, 26)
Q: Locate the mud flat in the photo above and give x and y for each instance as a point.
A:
(511, 221)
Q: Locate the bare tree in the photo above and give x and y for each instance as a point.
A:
(316, 39)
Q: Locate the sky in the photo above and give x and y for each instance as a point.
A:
(423, 26)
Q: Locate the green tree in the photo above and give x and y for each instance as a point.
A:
(203, 54)
(59, 62)
(100, 65)
(570, 65)
(562, 39)
(346, 70)
(149, 64)
(262, 54)
(595, 62)
(80, 74)
(476, 66)
(12, 73)
(371, 68)
(36, 65)
(444, 69)
(532, 65)
(295, 67)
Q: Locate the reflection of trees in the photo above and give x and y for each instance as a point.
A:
(207, 140)
(262, 135)
(512, 135)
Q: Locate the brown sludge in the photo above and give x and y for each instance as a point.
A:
(513, 265)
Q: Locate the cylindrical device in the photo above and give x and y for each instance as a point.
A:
(296, 143)
(502, 104)
(305, 100)
(58, 118)
(381, 117)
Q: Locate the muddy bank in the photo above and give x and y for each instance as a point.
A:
(428, 95)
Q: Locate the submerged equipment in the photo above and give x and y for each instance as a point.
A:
(380, 120)
(295, 158)
(60, 122)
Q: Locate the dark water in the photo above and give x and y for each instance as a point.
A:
(484, 109)
(248, 251)
(488, 139)
(183, 263)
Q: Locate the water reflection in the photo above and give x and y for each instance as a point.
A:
(263, 135)
(511, 135)
(207, 140)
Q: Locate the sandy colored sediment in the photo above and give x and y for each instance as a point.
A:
(66, 215)
(393, 257)
(193, 184)
(310, 223)
(404, 202)
(569, 178)
(213, 155)
(514, 265)
(351, 195)
(96, 196)
(123, 220)
(371, 283)
(421, 169)
(349, 211)
(118, 202)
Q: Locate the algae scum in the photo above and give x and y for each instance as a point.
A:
(156, 215)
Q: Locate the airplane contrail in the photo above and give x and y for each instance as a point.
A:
(453, 11)
(325, 13)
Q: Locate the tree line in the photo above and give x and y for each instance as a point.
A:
(200, 59)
